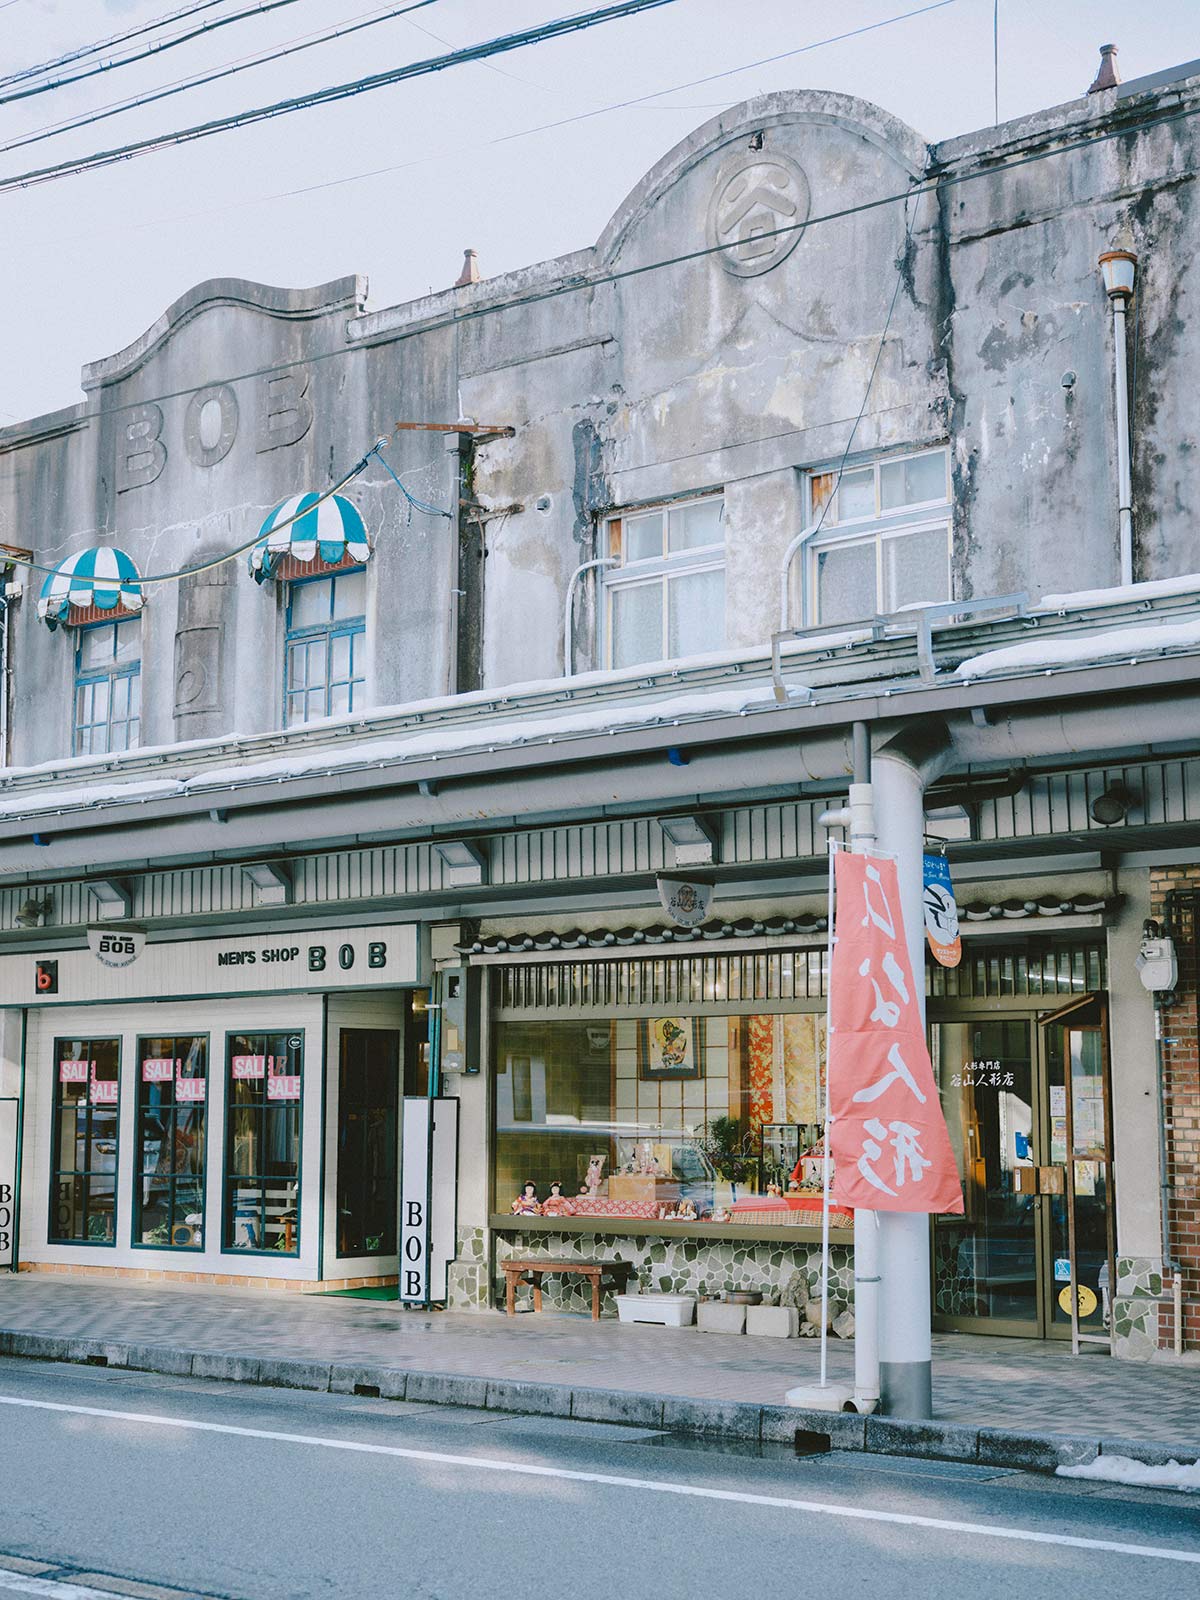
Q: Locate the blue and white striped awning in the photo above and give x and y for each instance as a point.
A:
(101, 578)
(332, 529)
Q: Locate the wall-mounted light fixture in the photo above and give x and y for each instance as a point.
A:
(112, 898)
(694, 839)
(1113, 805)
(271, 882)
(464, 863)
(1118, 267)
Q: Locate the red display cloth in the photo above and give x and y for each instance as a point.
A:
(600, 1207)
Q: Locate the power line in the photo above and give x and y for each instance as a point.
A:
(343, 91)
(152, 49)
(561, 122)
(581, 283)
(228, 70)
(85, 50)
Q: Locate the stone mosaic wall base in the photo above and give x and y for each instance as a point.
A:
(468, 1277)
(676, 1266)
(1139, 1277)
(1134, 1328)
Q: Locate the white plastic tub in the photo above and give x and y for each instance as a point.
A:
(671, 1310)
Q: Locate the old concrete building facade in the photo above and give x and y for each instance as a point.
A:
(817, 382)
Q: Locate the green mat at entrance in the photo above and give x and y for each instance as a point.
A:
(384, 1292)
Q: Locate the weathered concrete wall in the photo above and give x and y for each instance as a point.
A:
(952, 317)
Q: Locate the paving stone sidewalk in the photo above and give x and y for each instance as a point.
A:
(1023, 1385)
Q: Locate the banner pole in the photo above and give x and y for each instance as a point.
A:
(825, 1161)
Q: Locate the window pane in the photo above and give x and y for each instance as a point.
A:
(636, 623)
(129, 642)
(644, 537)
(696, 613)
(172, 1106)
(311, 603)
(856, 494)
(919, 478)
(100, 701)
(340, 665)
(846, 582)
(350, 594)
(262, 1143)
(84, 1148)
(916, 568)
(96, 647)
(695, 526)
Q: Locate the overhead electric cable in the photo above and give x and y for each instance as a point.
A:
(585, 283)
(85, 50)
(228, 70)
(546, 127)
(153, 49)
(12, 558)
(559, 28)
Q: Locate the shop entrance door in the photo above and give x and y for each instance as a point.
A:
(368, 1136)
(1036, 1219)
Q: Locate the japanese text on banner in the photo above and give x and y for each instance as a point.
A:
(889, 1142)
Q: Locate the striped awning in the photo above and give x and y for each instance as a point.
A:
(100, 578)
(307, 528)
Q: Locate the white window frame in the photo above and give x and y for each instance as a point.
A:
(660, 569)
(879, 528)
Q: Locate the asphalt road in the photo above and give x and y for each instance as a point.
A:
(111, 1478)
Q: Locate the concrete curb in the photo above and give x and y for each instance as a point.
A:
(723, 1419)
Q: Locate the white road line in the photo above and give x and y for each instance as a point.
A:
(819, 1508)
(51, 1588)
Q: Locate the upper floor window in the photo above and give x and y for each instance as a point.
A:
(885, 540)
(108, 677)
(325, 655)
(665, 597)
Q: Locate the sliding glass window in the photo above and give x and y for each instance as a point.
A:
(171, 1123)
(83, 1159)
(262, 1142)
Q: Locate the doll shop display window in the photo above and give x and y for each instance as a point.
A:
(709, 1119)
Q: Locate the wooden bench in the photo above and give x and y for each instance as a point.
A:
(532, 1271)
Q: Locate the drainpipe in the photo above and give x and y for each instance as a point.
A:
(789, 555)
(569, 607)
(1119, 269)
(902, 770)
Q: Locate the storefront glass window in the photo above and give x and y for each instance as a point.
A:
(172, 1098)
(83, 1178)
(368, 1093)
(665, 1118)
(262, 1142)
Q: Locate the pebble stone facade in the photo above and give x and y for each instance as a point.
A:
(676, 1266)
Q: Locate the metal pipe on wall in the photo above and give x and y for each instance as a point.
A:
(569, 607)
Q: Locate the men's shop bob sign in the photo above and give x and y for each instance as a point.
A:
(306, 960)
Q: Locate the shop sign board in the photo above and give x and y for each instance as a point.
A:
(307, 960)
(428, 1197)
(9, 1118)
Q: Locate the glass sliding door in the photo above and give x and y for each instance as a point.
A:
(1027, 1104)
(986, 1261)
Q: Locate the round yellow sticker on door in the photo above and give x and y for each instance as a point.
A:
(1087, 1300)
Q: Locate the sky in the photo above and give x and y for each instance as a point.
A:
(395, 184)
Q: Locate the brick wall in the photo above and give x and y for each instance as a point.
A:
(1181, 1071)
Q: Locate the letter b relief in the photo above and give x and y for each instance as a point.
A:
(141, 454)
(285, 412)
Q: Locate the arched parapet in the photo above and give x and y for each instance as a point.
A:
(285, 305)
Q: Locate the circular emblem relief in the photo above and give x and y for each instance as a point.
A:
(754, 197)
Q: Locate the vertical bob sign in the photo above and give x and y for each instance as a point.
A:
(888, 1137)
(428, 1197)
(9, 1119)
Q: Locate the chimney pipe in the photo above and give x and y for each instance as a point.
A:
(1107, 77)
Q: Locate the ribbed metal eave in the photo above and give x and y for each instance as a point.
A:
(562, 773)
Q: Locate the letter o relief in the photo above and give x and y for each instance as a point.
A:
(211, 424)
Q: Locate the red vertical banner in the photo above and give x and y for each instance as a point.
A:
(888, 1136)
